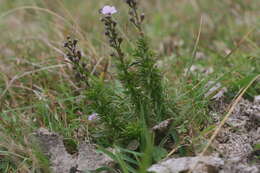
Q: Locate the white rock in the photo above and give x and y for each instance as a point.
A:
(257, 99)
(186, 163)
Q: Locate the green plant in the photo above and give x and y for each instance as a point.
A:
(97, 100)
(140, 77)
(139, 95)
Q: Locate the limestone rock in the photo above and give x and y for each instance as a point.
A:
(62, 162)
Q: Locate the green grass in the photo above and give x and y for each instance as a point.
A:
(38, 88)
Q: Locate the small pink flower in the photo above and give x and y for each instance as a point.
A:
(108, 10)
(93, 117)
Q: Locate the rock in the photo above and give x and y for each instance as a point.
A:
(257, 99)
(254, 110)
(53, 147)
(200, 56)
(89, 159)
(196, 68)
(221, 46)
(160, 130)
(199, 69)
(207, 71)
(163, 126)
(63, 162)
(205, 164)
(238, 167)
(133, 145)
(237, 138)
(234, 143)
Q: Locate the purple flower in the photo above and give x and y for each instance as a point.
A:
(108, 10)
(93, 117)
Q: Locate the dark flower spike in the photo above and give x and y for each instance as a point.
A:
(110, 29)
(135, 18)
(75, 58)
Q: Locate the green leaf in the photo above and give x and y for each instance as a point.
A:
(256, 147)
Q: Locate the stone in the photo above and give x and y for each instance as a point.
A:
(204, 164)
(61, 161)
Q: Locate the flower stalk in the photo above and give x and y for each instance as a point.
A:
(135, 18)
(75, 58)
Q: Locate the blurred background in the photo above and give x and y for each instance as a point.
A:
(29, 25)
(33, 32)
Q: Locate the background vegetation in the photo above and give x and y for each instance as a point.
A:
(38, 87)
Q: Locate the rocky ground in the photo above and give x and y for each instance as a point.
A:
(234, 148)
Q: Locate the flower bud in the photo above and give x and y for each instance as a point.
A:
(131, 13)
(114, 23)
(113, 54)
(132, 20)
(102, 19)
(108, 17)
(142, 16)
(75, 42)
(79, 54)
(120, 40)
(107, 33)
(70, 58)
(111, 41)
